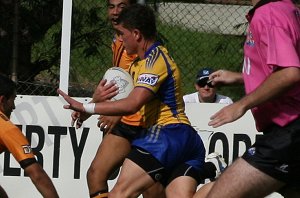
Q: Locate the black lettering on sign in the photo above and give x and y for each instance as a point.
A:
(78, 148)
(212, 145)
(7, 169)
(30, 129)
(57, 131)
(237, 138)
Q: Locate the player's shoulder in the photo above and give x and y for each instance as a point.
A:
(135, 61)
(7, 125)
(158, 58)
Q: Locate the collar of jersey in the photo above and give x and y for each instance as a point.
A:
(151, 48)
(259, 4)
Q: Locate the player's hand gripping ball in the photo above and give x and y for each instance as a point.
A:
(122, 79)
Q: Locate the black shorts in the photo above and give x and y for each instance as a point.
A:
(157, 171)
(127, 131)
(277, 153)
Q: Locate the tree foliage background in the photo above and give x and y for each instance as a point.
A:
(37, 40)
(30, 39)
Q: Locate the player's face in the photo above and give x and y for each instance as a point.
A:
(114, 9)
(8, 105)
(129, 39)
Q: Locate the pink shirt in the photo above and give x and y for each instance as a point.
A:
(273, 41)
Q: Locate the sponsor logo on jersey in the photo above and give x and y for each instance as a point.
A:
(250, 41)
(26, 149)
(148, 79)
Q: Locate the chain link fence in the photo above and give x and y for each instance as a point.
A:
(197, 33)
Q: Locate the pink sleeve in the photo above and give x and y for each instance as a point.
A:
(281, 48)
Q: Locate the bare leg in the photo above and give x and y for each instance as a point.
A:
(204, 190)
(243, 180)
(183, 186)
(111, 153)
(155, 191)
(3, 193)
(133, 180)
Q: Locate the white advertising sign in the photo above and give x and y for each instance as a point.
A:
(66, 152)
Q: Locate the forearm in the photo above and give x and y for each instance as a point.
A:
(277, 83)
(41, 181)
(226, 77)
(46, 188)
(238, 78)
(116, 108)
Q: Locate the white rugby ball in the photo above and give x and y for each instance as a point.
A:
(122, 79)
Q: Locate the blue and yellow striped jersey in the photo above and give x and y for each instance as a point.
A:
(159, 73)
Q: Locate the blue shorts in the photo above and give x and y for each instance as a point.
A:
(172, 145)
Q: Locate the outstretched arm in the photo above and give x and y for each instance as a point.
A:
(103, 92)
(41, 180)
(130, 105)
(277, 83)
(226, 77)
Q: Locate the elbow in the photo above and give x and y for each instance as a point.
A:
(132, 110)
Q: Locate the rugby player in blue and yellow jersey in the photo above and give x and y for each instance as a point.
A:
(168, 150)
(119, 131)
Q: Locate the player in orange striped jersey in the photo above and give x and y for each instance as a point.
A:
(12, 139)
(123, 60)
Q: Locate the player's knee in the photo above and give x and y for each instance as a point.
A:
(170, 192)
(94, 174)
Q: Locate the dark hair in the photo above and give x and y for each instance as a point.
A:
(139, 17)
(131, 2)
(7, 86)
